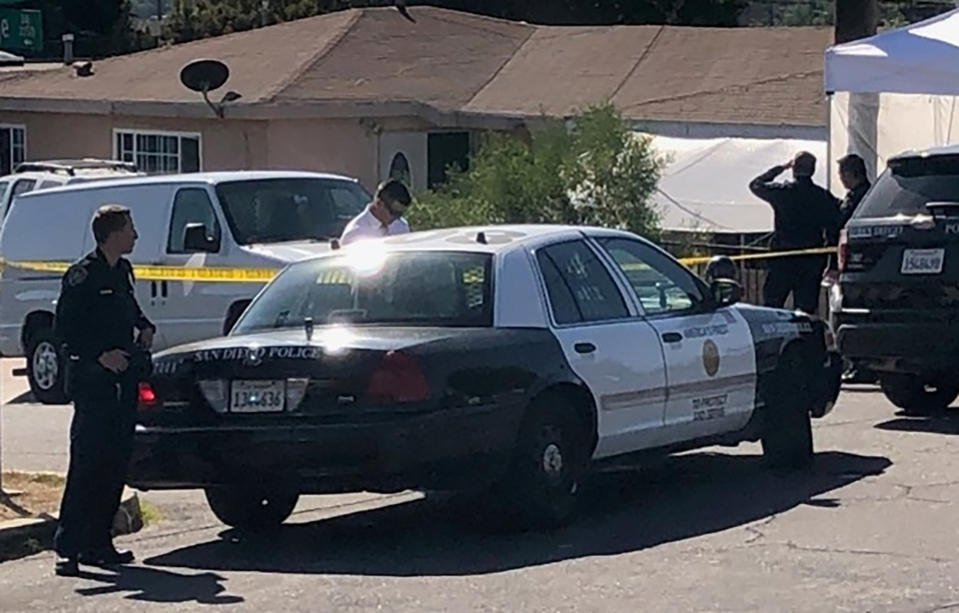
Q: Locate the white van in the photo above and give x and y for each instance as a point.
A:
(227, 219)
(29, 176)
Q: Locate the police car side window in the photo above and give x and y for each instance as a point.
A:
(191, 206)
(661, 285)
(579, 286)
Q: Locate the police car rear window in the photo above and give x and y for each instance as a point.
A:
(909, 184)
(406, 288)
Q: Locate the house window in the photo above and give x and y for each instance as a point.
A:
(446, 149)
(400, 169)
(12, 147)
(159, 152)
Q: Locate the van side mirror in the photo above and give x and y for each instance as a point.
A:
(196, 238)
(726, 292)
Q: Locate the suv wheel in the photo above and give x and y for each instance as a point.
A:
(919, 395)
(44, 370)
(250, 510)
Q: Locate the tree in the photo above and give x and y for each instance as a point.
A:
(593, 171)
(191, 19)
(100, 28)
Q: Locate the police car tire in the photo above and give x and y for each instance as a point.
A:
(541, 486)
(909, 393)
(43, 340)
(787, 436)
(249, 510)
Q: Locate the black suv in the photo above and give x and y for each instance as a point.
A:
(896, 307)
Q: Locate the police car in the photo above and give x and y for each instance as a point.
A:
(508, 358)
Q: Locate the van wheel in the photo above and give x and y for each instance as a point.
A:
(918, 395)
(787, 434)
(541, 486)
(44, 370)
(250, 510)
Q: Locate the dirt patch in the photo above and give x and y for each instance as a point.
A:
(40, 495)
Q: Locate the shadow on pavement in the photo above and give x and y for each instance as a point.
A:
(945, 423)
(24, 398)
(153, 585)
(625, 510)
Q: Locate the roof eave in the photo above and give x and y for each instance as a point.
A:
(265, 111)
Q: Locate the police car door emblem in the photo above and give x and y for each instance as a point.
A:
(254, 357)
(710, 358)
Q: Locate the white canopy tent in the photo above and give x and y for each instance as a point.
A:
(705, 186)
(894, 91)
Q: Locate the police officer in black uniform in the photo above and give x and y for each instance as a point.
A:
(805, 216)
(106, 340)
(852, 174)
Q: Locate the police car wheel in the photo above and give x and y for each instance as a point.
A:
(916, 396)
(787, 435)
(541, 485)
(249, 510)
(44, 371)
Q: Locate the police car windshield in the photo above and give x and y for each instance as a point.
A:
(294, 209)
(909, 184)
(413, 288)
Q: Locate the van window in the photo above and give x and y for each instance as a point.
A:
(191, 205)
(909, 184)
(23, 186)
(280, 210)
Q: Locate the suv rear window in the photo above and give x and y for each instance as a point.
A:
(908, 184)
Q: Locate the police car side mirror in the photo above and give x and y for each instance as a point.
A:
(726, 292)
(196, 238)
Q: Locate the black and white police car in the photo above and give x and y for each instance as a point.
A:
(512, 358)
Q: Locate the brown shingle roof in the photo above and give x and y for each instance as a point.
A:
(455, 61)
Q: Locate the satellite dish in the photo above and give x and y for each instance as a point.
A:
(204, 75)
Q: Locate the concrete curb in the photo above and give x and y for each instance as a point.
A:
(24, 536)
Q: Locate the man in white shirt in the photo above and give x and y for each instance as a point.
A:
(383, 216)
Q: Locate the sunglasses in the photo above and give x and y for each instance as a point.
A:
(395, 210)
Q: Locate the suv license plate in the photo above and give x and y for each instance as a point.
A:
(922, 261)
(257, 396)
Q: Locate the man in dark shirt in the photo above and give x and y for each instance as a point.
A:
(852, 174)
(105, 338)
(805, 216)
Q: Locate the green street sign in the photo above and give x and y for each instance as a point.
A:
(21, 29)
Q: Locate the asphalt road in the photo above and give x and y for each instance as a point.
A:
(871, 528)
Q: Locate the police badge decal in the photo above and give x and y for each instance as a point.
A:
(710, 358)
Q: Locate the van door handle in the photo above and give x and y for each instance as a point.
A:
(164, 289)
(153, 289)
(672, 337)
(584, 347)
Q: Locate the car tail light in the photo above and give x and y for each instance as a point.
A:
(146, 396)
(843, 255)
(398, 378)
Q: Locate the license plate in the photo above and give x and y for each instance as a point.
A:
(922, 261)
(257, 396)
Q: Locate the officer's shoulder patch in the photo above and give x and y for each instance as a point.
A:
(76, 275)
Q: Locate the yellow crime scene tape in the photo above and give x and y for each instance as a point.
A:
(262, 275)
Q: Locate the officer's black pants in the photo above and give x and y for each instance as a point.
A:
(101, 438)
(799, 275)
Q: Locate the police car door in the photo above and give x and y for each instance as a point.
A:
(606, 344)
(709, 354)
